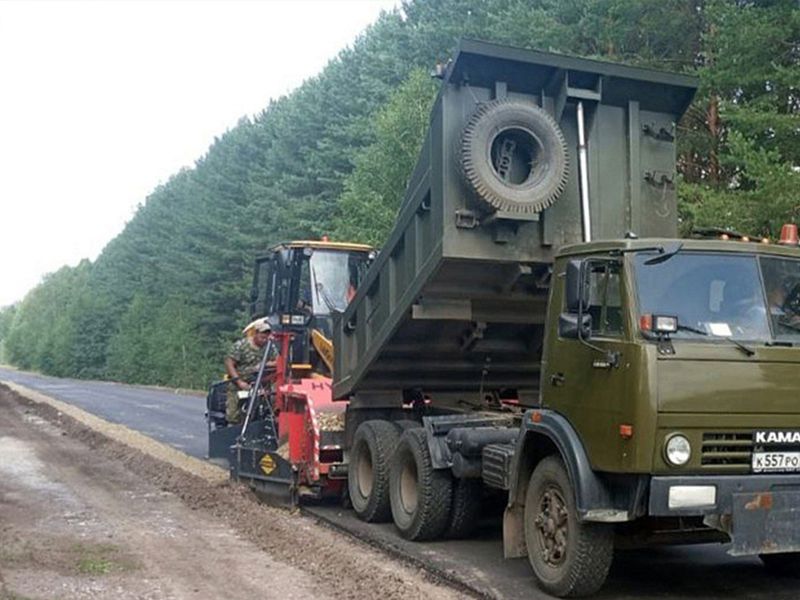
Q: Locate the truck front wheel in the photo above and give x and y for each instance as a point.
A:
(368, 472)
(569, 558)
(787, 564)
(420, 495)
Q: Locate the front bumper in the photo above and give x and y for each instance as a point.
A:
(761, 513)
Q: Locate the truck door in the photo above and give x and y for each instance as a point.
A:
(579, 380)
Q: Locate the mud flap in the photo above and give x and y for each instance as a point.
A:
(766, 523)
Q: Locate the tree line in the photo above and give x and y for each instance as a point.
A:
(167, 294)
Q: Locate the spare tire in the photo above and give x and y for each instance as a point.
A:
(514, 156)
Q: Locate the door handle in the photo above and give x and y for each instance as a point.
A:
(557, 379)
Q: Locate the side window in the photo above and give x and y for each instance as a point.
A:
(262, 291)
(605, 298)
(304, 295)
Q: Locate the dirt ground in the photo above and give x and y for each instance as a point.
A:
(83, 516)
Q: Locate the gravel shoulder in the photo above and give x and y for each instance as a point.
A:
(97, 513)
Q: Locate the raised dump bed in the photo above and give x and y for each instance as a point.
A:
(526, 152)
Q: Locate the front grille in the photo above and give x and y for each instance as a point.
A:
(727, 451)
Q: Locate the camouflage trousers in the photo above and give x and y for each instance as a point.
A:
(234, 405)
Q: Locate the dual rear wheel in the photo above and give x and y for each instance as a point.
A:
(391, 476)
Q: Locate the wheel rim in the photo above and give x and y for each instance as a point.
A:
(365, 473)
(409, 489)
(552, 527)
(516, 155)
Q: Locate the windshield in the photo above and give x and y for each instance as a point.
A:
(334, 278)
(718, 295)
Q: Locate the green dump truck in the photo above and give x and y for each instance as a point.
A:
(533, 328)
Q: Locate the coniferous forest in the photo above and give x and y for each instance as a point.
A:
(167, 294)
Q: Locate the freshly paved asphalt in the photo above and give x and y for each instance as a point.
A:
(169, 417)
(676, 572)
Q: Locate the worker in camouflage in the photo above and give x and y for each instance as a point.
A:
(242, 363)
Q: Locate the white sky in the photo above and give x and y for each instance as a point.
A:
(102, 101)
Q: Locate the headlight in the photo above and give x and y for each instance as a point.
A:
(678, 450)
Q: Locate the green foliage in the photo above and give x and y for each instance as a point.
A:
(373, 191)
(336, 154)
(58, 328)
(6, 319)
(761, 198)
(741, 139)
(161, 343)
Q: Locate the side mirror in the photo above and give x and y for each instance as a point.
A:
(576, 290)
(569, 328)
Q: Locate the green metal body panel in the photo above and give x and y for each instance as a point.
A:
(456, 301)
(707, 391)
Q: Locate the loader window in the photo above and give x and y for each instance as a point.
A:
(262, 293)
(605, 298)
(304, 294)
(330, 281)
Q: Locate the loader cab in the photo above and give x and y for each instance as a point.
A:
(302, 284)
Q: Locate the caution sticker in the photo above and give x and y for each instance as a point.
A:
(267, 464)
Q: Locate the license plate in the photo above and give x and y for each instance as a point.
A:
(768, 462)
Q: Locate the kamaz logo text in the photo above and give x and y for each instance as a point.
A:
(777, 437)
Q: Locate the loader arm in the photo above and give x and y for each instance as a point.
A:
(324, 347)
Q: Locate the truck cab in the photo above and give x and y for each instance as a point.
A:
(669, 395)
(680, 359)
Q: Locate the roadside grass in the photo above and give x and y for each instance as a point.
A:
(101, 559)
(66, 556)
(9, 595)
(95, 566)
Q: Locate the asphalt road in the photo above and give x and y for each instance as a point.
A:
(675, 572)
(175, 419)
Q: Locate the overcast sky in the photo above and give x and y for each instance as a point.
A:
(102, 101)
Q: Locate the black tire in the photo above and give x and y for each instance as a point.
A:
(420, 496)
(786, 564)
(406, 424)
(368, 473)
(514, 156)
(465, 509)
(569, 558)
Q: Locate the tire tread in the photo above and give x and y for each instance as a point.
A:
(434, 489)
(593, 553)
(381, 437)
